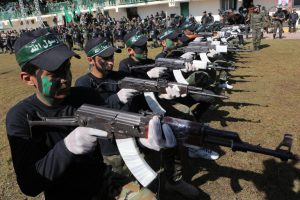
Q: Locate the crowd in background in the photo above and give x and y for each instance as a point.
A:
(96, 24)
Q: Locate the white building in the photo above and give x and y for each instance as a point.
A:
(143, 8)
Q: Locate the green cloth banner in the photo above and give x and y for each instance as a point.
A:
(10, 23)
(90, 7)
(68, 18)
(77, 8)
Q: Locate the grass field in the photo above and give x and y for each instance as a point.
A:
(263, 105)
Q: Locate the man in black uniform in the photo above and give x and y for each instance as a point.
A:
(137, 48)
(62, 162)
(188, 35)
(169, 41)
(136, 44)
(100, 55)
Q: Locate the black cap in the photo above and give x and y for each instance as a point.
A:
(188, 25)
(135, 38)
(107, 51)
(204, 11)
(50, 59)
(169, 34)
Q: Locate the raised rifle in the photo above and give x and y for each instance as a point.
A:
(179, 64)
(160, 85)
(124, 126)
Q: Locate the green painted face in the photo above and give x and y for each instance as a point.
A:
(46, 86)
(170, 44)
(49, 86)
(140, 56)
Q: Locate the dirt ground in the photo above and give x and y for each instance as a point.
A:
(263, 105)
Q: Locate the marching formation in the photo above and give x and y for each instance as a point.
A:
(91, 140)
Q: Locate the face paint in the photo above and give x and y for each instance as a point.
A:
(140, 56)
(102, 64)
(47, 87)
(52, 88)
(140, 52)
(170, 44)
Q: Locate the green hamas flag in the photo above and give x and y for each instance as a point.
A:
(77, 8)
(72, 13)
(68, 18)
(10, 22)
(90, 7)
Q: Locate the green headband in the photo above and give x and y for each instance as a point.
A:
(133, 39)
(98, 49)
(37, 47)
(166, 33)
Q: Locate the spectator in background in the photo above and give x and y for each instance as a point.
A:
(204, 18)
(293, 18)
(210, 18)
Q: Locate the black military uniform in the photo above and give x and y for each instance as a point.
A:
(40, 157)
(172, 165)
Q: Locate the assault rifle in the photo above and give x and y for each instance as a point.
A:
(205, 34)
(195, 49)
(124, 126)
(120, 124)
(160, 85)
(201, 48)
(179, 64)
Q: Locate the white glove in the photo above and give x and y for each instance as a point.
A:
(188, 67)
(198, 39)
(155, 139)
(188, 55)
(156, 72)
(83, 140)
(126, 94)
(171, 93)
(199, 64)
(212, 53)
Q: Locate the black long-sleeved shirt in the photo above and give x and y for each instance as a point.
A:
(40, 158)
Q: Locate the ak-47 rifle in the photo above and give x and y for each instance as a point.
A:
(123, 126)
(198, 47)
(195, 49)
(160, 85)
(179, 64)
